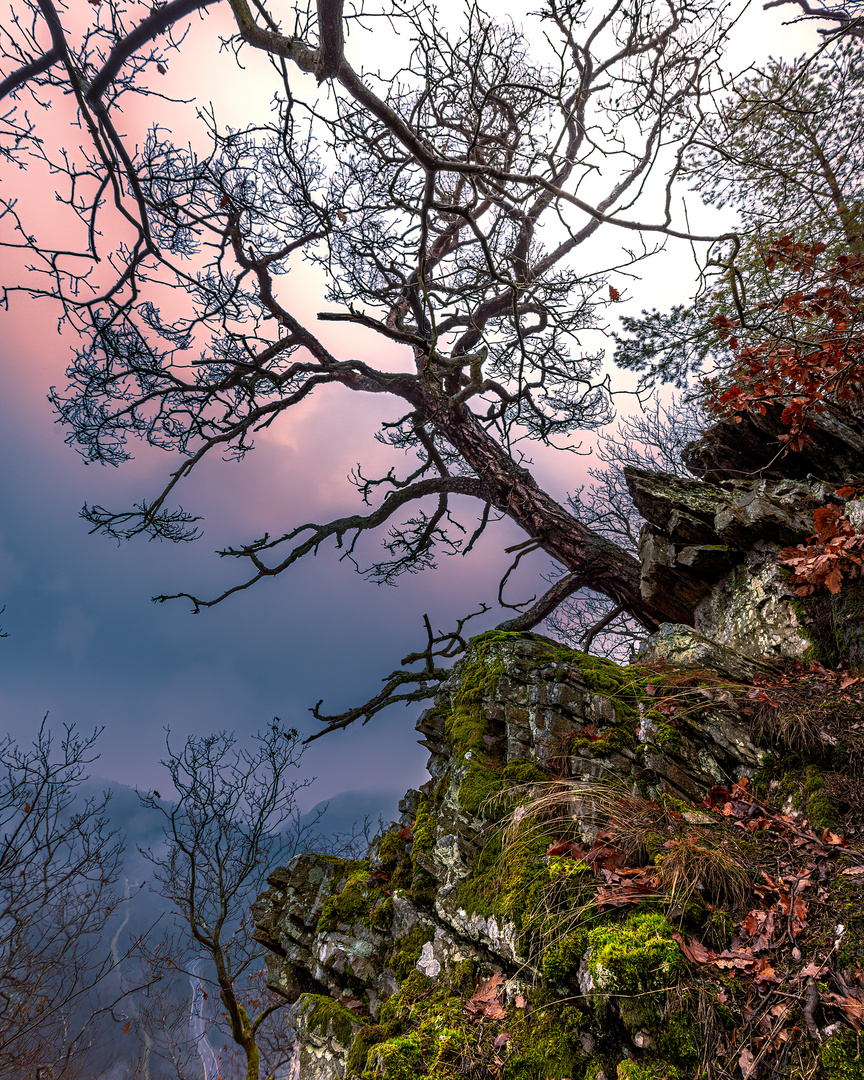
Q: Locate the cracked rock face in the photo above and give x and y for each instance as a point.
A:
(350, 931)
(714, 548)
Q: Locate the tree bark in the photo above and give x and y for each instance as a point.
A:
(515, 492)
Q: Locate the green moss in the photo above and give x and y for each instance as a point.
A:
(488, 790)
(634, 956)
(600, 675)
(677, 1037)
(326, 1016)
(409, 949)
(424, 831)
(546, 1042)
(381, 916)
(397, 1059)
(817, 804)
(356, 900)
(560, 963)
(391, 849)
(463, 975)
(654, 1070)
(424, 888)
(523, 772)
(803, 783)
(668, 738)
(478, 786)
(841, 1057)
(351, 903)
(367, 1037)
(570, 868)
(467, 723)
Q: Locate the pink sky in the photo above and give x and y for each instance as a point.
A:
(85, 643)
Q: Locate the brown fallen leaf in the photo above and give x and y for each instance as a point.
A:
(742, 961)
(695, 951)
(484, 999)
(502, 1039)
(852, 1007)
(812, 970)
(747, 1063)
(488, 990)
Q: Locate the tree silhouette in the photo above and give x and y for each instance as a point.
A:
(453, 206)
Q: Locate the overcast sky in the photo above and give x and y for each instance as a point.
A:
(85, 644)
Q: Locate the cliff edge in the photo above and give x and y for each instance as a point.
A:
(619, 873)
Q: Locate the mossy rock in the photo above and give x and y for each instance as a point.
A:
(351, 902)
(408, 950)
(546, 1042)
(391, 849)
(834, 625)
(634, 956)
(424, 830)
(397, 1059)
(466, 724)
(326, 1017)
(562, 960)
(487, 790)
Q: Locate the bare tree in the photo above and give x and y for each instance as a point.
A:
(841, 18)
(450, 203)
(59, 862)
(233, 820)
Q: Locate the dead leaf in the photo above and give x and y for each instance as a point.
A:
(502, 1039)
(852, 1007)
(746, 1063)
(488, 990)
(484, 999)
(812, 970)
(695, 951)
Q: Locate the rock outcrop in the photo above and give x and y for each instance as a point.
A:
(615, 873)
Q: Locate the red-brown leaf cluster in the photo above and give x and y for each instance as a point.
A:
(835, 549)
(813, 359)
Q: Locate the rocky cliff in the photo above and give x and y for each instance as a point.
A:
(639, 872)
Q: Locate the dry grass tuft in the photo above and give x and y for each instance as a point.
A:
(571, 808)
(793, 722)
(711, 866)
